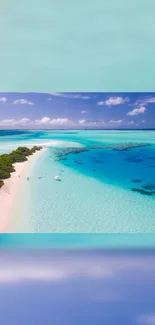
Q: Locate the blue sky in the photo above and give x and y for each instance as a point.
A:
(77, 287)
(77, 110)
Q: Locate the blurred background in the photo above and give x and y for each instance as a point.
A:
(77, 286)
(49, 45)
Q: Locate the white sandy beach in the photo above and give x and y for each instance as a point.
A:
(9, 189)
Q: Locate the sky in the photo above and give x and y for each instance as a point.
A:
(92, 287)
(77, 110)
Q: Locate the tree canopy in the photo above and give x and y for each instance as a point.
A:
(18, 155)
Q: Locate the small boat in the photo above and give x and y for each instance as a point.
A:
(57, 178)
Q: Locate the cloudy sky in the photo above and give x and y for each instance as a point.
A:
(77, 287)
(77, 110)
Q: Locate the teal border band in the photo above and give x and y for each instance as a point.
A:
(62, 240)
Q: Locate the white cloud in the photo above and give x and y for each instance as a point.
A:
(132, 122)
(3, 99)
(44, 120)
(7, 122)
(70, 95)
(82, 121)
(31, 273)
(24, 121)
(59, 121)
(143, 102)
(52, 267)
(113, 101)
(83, 112)
(13, 122)
(147, 319)
(22, 102)
(90, 123)
(48, 121)
(116, 122)
(137, 111)
(151, 100)
(56, 94)
(78, 96)
(85, 97)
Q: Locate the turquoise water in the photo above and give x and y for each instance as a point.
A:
(49, 45)
(95, 193)
(79, 241)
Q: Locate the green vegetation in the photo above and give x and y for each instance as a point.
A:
(7, 160)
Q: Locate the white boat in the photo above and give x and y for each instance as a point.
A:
(56, 178)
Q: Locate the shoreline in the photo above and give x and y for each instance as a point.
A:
(9, 189)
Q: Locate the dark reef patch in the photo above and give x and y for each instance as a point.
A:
(119, 147)
(98, 161)
(136, 180)
(152, 158)
(127, 146)
(141, 191)
(133, 159)
(79, 162)
(150, 166)
(149, 187)
(62, 158)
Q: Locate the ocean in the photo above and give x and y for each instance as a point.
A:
(102, 189)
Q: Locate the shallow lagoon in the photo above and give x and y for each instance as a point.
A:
(98, 188)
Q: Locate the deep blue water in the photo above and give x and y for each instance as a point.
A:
(129, 169)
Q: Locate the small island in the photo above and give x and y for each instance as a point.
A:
(7, 161)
